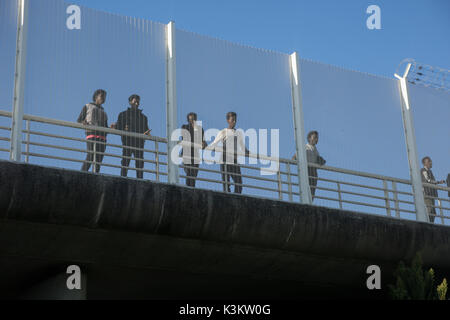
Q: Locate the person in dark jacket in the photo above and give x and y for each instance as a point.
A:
(134, 121)
(194, 134)
(93, 114)
(448, 183)
(313, 157)
(430, 193)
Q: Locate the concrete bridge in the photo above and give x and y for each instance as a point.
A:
(138, 239)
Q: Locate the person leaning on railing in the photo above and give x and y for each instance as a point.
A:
(191, 157)
(313, 157)
(134, 121)
(431, 194)
(230, 167)
(93, 114)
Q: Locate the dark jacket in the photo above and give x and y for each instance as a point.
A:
(132, 120)
(428, 177)
(448, 183)
(201, 140)
(94, 115)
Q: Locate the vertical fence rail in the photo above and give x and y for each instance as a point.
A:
(340, 196)
(19, 81)
(411, 147)
(157, 160)
(397, 204)
(27, 155)
(386, 196)
(171, 88)
(299, 129)
(289, 179)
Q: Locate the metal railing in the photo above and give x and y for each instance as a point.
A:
(336, 187)
(71, 149)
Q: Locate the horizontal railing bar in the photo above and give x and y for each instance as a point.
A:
(231, 183)
(221, 172)
(85, 151)
(361, 194)
(84, 141)
(92, 128)
(361, 185)
(361, 174)
(37, 155)
(361, 204)
(6, 114)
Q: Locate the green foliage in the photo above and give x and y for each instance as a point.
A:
(415, 284)
(442, 290)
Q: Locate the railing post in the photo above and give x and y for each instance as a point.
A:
(386, 197)
(288, 166)
(441, 211)
(19, 81)
(299, 126)
(340, 196)
(157, 159)
(280, 185)
(28, 128)
(397, 204)
(171, 88)
(411, 147)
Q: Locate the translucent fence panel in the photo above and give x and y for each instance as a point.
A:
(8, 31)
(431, 112)
(359, 120)
(215, 77)
(65, 65)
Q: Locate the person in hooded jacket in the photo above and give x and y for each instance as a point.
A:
(93, 114)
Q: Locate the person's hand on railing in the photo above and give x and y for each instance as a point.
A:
(113, 125)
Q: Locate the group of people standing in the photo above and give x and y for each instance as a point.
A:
(131, 120)
(135, 122)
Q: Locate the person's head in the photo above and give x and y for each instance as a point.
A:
(192, 118)
(427, 163)
(313, 138)
(231, 119)
(99, 97)
(134, 100)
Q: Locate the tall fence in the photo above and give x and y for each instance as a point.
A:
(358, 116)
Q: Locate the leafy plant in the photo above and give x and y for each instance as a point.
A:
(442, 290)
(415, 284)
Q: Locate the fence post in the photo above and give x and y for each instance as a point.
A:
(19, 81)
(413, 158)
(171, 88)
(299, 126)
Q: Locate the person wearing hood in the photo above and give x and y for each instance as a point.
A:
(93, 114)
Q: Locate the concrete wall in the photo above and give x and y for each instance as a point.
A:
(235, 245)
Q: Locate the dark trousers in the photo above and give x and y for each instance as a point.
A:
(431, 210)
(95, 149)
(233, 171)
(127, 152)
(312, 172)
(191, 171)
